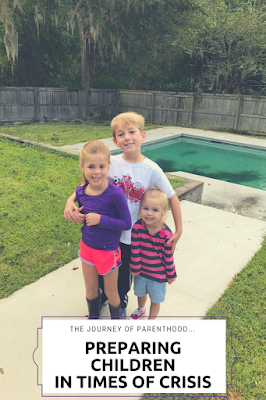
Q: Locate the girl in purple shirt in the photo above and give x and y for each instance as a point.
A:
(106, 214)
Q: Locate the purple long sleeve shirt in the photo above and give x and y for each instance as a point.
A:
(115, 217)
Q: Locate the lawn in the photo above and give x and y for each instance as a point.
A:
(34, 237)
(60, 134)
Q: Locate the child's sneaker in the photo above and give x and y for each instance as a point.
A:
(139, 312)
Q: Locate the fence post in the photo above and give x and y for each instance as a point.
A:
(237, 112)
(118, 105)
(36, 103)
(152, 106)
(191, 109)
(80, 104)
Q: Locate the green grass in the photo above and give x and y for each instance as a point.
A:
(175, 182)
(60, 134)
(34, 237)
(244, 303)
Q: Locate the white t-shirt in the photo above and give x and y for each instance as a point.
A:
(135, 179)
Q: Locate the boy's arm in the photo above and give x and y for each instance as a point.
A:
(72, 212)
(160, 181)
(135, 266)
(176, 211)
(169, 263)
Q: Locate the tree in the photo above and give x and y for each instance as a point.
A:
(48, 55)
(97, 22)
(146, 59)
(227, 44)
(137, 31)
(10, 32)
(147, 38)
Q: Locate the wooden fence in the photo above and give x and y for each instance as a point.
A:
(207, 111)
(51, 104)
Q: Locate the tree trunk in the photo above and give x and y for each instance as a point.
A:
(138, 81)
(87, 59)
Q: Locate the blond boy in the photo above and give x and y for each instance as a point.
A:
(135, 174)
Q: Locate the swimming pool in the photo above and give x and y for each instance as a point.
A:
(227, 161)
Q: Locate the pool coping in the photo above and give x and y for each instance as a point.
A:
(220, 136)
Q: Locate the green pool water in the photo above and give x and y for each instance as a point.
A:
(227, 162)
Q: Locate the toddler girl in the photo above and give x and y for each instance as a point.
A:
(151, 261)
(106, 214)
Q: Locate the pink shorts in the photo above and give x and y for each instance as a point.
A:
(104, 260)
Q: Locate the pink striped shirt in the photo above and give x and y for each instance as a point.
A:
(151, 256)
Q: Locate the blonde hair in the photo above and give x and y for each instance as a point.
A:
(126, 119)
(92, 148)
(157, 194)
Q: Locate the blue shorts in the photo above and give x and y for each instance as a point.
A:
(156, 290)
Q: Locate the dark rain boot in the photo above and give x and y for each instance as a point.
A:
(115, 311)
(94, 306)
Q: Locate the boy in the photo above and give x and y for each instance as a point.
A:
(135, 174)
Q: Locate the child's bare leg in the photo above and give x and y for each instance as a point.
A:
(142, 301)
(154, 310)
(110, 287)
(90, 274)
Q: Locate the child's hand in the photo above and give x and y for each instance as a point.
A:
(170, 281)
(93, 219)
(79, 218)
(174, 239)
(73, 214)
